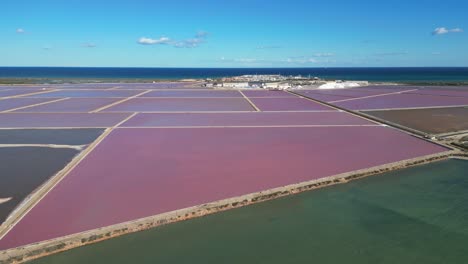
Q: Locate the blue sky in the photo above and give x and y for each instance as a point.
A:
(241, 33)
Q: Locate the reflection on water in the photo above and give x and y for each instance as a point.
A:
(418, 215)
(80, 136)
(22, 170)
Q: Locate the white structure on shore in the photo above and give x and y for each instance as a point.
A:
(238, 85)
(279, 82)
(342, 85)
(277, 85)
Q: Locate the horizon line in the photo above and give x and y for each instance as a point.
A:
(184, 67)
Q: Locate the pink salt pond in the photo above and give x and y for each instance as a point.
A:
(136, 173)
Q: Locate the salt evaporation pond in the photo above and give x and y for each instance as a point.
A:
(417, 215)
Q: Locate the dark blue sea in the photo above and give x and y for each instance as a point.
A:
(403, 75)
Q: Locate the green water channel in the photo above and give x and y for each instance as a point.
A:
(417, 215)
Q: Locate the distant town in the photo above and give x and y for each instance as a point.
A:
(279, 82)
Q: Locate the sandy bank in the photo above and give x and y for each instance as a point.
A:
(4, 200)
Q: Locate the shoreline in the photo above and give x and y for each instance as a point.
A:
(58, 81)
(401, 75)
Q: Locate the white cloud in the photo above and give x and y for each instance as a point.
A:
(317, 58)
(245, 61)
(256, 61)
(201, 34)
(188, 43)
(194, 42)
(241, 60)
(150, 41)
(20, 31)
(324, 55)
(440, 31)
(199, 38)
(301, 60)
(443, 31)
(390, 54)
(89, 45)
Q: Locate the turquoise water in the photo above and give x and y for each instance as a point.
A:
(417, 215)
